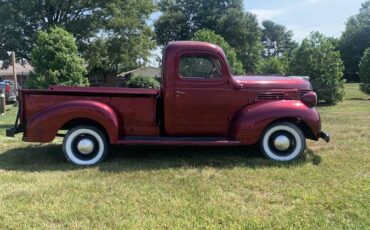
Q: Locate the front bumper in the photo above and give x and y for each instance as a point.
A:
(325, 136)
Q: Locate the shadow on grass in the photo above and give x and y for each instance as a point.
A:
(5, 127)
(358, 99)
(324, 104)
(144, 158)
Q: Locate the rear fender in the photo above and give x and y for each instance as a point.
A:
(251, 121)
(44, 125)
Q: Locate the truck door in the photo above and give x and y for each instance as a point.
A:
(201, 97)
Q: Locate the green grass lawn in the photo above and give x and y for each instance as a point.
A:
(194, 188)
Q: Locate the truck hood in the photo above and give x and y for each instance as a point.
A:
(273, 82)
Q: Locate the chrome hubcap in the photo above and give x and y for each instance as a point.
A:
(282, 142)
(85, 146)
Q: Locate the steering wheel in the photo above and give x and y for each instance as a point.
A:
(214, 73)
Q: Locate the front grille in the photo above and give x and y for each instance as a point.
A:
(271, 96)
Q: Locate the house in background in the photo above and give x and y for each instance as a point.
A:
(22, 72)
(109, 79)
(102, 78)
(148, 71)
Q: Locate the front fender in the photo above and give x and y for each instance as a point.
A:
(251, 121)
(44, 125)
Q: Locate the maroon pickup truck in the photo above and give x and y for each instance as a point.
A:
(200, 103)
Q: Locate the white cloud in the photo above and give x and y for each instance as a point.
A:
(299, 32)
(313, 1)
(265, 14)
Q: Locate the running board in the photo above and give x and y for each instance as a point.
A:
(194, 141)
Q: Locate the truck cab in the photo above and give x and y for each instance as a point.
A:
(200, 103)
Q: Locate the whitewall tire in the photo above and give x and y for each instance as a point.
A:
(85, 145)
(283, 141)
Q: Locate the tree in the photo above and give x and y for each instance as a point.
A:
(129, 39)
(110, 34)
(316, 57)
(20, 21)
(277, 40)
(354, 40)
(180, 19)
(172, 26)
(241, 30)
(273, 65)
(209, 36)
(143, 82)
(55, 60)
(364, 72)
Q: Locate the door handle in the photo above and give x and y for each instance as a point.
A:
(178, 93)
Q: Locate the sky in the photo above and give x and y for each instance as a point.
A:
(304, 16)
(300, 16)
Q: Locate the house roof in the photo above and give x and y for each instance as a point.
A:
(21, 70)
(135, 70)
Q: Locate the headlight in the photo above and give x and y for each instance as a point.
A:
(309, 99)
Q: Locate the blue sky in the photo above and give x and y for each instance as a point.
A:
(304, 16)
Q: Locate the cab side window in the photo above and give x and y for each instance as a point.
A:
(200, 66)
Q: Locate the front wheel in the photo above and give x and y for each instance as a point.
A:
(283, 141)
(85, 145)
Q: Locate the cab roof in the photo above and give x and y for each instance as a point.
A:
(193, 45)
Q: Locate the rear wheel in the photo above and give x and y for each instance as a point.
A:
(283, 141)
(85, 145)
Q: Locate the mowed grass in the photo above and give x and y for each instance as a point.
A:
(194, 188)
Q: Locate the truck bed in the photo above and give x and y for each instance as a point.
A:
(135, 108)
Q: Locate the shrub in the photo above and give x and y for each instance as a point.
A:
(55, 60)
(143, 82)
(273, 65)
(317, 57)
(364, 71)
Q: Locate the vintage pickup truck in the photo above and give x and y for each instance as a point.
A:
(200, 103)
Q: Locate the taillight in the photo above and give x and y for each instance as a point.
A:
(7, 88)
(309, 99)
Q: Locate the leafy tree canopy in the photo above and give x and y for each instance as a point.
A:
(355, 39)
(316, 57)
(127, 41)
(20, 21)
(210, 36)
(180, 19)
(365, 72)
(97, 25)
(277, 40)
(55, 60)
